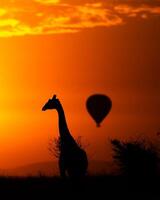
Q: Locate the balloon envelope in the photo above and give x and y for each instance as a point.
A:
(98, 106)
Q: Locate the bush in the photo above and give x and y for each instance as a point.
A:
(55, 146)
(136, 158)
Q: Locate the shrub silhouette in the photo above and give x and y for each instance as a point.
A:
(55, 146)
(137, 158)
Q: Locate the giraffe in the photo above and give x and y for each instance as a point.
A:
(73, 159)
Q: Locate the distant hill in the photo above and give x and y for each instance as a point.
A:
(51, 169)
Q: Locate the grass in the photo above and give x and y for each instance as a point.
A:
(92, 186)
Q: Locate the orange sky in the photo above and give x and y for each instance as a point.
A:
(73, 50)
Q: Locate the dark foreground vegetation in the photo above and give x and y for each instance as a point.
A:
(103, 187)
(137, 158)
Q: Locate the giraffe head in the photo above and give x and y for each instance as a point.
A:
(51, 104)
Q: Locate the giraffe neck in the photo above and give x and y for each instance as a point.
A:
(63, 128)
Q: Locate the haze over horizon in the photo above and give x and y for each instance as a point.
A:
(75, 49)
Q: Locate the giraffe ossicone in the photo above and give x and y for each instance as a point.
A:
(54, 96)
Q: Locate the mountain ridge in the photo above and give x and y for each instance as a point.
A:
(50, 168)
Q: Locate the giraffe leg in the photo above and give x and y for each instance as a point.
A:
(62, 167)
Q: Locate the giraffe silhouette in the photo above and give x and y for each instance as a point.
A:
(73, 159)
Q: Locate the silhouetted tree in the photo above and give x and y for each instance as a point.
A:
(55, 146)
(136, 158)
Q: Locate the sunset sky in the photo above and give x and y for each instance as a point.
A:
(74, 48)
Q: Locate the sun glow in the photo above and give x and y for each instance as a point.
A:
(2, 12)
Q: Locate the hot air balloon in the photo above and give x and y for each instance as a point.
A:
(98, 106)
